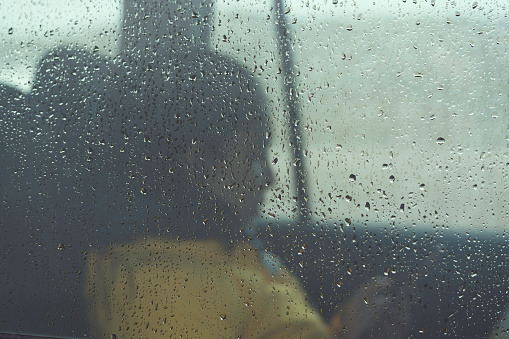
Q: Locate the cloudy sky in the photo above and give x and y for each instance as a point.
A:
(30, 29)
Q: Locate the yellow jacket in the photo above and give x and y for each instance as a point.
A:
(159, 288)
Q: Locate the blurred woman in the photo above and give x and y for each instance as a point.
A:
(202, 173)
(195, 174)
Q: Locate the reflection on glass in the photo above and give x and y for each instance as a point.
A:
(153, 183)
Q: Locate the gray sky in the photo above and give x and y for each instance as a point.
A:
(30, 29)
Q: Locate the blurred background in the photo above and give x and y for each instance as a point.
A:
(403, 104)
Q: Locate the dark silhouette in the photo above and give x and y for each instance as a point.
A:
(108, 146)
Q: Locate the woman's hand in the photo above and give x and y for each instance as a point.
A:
(377, 310)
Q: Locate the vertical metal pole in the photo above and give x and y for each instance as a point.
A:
(285, 51)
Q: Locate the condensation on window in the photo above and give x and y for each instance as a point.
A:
(244, 168)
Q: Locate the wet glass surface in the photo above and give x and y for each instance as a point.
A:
(353, 153)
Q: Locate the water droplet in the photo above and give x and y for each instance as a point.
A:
(349, 27)
(352, 177)
(10, 30)
(474, 5)
(222, 316)
(274, 161)
(440, 141)
(368, 206)
(392, 178)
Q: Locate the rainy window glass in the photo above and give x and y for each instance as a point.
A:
(196, 168)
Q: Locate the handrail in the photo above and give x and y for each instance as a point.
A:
(285, 51)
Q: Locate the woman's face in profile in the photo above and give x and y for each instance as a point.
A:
(241, 175)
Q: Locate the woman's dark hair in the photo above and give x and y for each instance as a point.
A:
(120, 134)
(201, 107)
